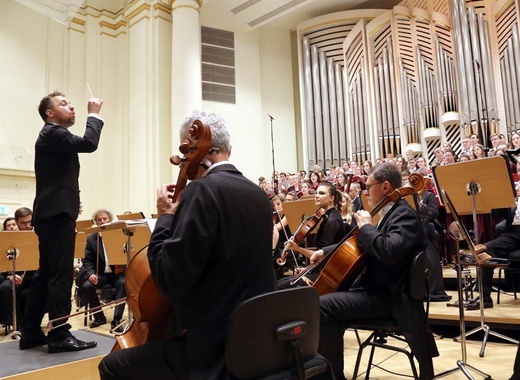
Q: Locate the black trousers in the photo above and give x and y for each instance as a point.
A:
(52, 282)
(502, 246)
(165, 359)
(117, 281)
(337, 311)
(6, 300)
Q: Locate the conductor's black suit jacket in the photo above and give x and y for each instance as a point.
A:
(57, 168)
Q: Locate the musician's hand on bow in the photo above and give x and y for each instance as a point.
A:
(93, 279)
(17, 279)
(164, 200)
(363, 217)
(317, 256)
(291, 245)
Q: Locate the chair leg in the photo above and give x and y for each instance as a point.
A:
(499, 282)
(370, 360)
(513, 281)
(360, 354)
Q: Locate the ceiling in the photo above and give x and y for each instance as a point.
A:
(239, 15)
(252, 14)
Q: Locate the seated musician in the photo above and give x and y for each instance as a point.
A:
(96, 272)
(389, 248)
(330, 231)
(208, 253)
(21, 279)
(502, 246)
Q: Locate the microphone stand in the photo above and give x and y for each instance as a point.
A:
(275, 179)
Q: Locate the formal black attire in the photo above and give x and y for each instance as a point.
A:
(95, 263)
(502, 246)
(55, 211)
(6, 296)
(389, 249)
(432, 228)
(357, 204)
(214, 253)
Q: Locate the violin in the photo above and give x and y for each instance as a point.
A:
(305, 228)
(152, 312)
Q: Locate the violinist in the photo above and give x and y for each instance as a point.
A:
(283, 231)
(389, 248)
(331, 229)
(209, 252)
(96, 271)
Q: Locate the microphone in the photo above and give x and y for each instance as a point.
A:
(272, 118)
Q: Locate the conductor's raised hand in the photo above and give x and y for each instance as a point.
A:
(94, 105)
(164, 200)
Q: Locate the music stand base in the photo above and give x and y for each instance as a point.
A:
(13, 335)
(462, 367)
(487, 333)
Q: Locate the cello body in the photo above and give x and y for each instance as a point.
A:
(153, 314)
(342, 268)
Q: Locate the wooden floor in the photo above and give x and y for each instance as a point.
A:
(498, 355)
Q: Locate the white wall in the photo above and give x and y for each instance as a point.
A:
(44, 55)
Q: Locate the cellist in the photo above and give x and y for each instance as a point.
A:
(389, 248)
(208, 252)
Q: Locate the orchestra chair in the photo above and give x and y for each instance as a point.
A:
(275, 336)
(513, 269)
(385, 329)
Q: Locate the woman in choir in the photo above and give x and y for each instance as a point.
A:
(347, 212)
(315, 180)
(515, 141)
(401, 163)
(367, 167)
(421, 163)
(342, 182)
(306, 189)
(478, 152)
(464, 157)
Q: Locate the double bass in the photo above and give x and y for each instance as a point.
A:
(152, 312)
(346, 261)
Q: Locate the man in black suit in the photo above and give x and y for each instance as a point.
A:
(96, 271)
(21, 279)
(389, 249)
(507, 242)
(207, 254)
(56, 207)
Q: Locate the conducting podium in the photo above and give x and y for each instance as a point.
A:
(18, 252)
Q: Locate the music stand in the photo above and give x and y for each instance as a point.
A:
(17, 246)
(463, 182)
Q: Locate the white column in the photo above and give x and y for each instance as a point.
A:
(186, 61)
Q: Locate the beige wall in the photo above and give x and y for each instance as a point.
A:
(131, 72)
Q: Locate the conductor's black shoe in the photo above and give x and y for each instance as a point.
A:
(475, 305)
(98, 322)
(32, 340)
(69, 344)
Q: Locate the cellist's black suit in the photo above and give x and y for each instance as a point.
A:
(214, 253)
(389, 249)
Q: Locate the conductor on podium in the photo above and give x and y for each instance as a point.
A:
(56, 208)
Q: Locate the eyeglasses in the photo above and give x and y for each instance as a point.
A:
(369, 185)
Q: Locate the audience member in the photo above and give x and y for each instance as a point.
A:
(10, 224)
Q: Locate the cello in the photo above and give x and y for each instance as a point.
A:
(153, 314)
(346, 261)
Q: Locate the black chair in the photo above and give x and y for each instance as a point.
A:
(275, 336)
(385, 329)
(512, 269)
